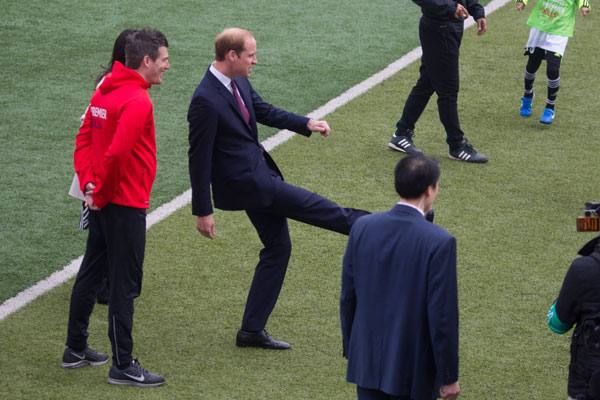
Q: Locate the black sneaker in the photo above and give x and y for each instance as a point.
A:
(467, 153)
(72, 359)
(134, 375)
(402, 141)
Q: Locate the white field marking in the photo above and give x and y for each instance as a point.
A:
(57, 278)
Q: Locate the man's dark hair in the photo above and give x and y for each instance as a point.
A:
(144, 42)
(414, 174)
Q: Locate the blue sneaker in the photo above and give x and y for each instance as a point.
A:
(526, 106)
(547, 116)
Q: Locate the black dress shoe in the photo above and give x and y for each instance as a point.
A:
(259, 339)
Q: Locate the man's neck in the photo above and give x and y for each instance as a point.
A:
(418, 203)
(141, 73)
(222, 68)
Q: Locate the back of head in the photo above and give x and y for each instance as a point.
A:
(414, 174)
(230, 39)
(118, 53)
(142, 43)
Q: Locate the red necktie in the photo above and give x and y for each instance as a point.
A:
(240, 102)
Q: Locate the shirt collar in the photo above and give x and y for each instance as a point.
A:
(225, 80)
(410, 205)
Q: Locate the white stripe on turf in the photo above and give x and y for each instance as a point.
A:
(26, 296)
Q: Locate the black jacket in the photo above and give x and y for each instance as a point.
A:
(443, 10)
(577, 302)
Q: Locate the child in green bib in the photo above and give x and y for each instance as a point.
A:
(552, 23)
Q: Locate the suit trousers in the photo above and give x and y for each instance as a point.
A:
(372, 394)
(438, 73)
(272, 228)
(115, 249)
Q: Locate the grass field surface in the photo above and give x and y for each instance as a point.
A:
(514, 220)
(308, 53)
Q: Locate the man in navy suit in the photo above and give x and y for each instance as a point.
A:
(225, 153)
(399, 304)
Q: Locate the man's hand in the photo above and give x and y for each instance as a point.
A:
(481, 26)
(206, 226)
(583, 11)
(89, 196)
(319, 126)
(450, 392)
(461, 12)
(520, 5)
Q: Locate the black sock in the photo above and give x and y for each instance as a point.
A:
(529, 78)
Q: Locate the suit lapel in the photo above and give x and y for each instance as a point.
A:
(223, 91)
(231, 100)
(228, 96)
(247, 100)
(245, 95)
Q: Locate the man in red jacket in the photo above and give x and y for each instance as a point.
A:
(115, 160)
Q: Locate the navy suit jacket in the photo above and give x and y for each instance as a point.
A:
(399, 305)
(225, 151)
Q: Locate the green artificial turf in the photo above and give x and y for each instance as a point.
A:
(308, 53)
(514, 220)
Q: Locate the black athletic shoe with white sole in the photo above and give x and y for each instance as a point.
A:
(467, 153)
(73, 359)
(134, 375)
(402, 141)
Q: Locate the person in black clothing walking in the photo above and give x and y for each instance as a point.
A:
(440, 32)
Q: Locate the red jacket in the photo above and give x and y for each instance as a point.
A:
(115, 148)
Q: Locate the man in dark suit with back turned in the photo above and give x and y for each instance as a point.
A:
(225, 152)
(399, 305)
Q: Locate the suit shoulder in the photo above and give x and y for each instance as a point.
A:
(370, 219)
(389, 218)
(205, 93)
(438, 231)
(204, 87)
(243, 82)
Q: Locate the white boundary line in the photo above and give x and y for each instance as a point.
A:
(57, 278)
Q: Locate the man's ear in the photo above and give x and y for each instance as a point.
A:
(428, 191)
(146, 61)
(231, 55)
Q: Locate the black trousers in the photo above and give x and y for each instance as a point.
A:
(115, 249)
(553, 61)
(584, 370)
(271, 224)
(438, 73)
(372, 394)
